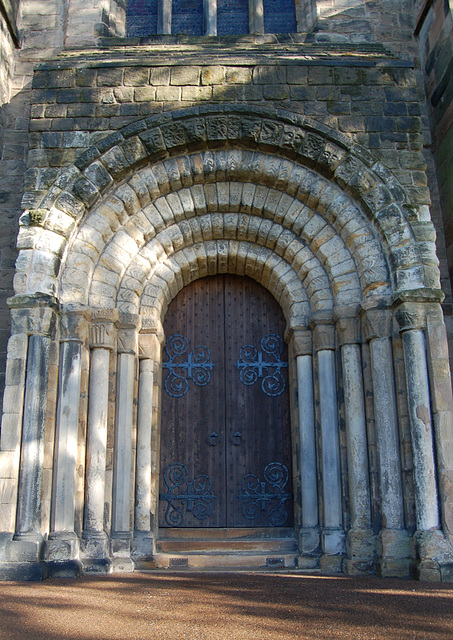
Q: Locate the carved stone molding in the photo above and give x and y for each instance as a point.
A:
(302, 342)
(377, 323)
(74, 325)
(411, 315)
(102, 328)
(148, 346)
(33, 314)
(349, 331)
(127, 336)
(323, 327)
(152, 325)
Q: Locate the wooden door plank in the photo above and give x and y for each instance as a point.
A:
(261, 419)
(193, 432)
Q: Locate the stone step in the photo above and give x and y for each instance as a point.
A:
(250, 549)
(279, 545)
(238, 533)
(218, 561)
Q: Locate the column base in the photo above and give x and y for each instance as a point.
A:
(309, 563)
(120, 552)
(360, 552)
(143, 549)
(94, 552)
(64, 568)
(331, 564)
(309, 540)
(333, 541)
(23, 571)
(395, 551)
(434, 557)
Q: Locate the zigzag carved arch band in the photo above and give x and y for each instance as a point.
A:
(138, 202)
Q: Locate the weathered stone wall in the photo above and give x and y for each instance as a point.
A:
(434, 29)
(9, 205)
(390, 23)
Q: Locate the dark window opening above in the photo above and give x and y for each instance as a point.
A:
(187, 17)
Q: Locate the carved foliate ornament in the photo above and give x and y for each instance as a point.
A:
(102, 335)
(74, 325)
(377, 323)
(302, 342)
(411, 315)
(349, 331)
(149, 347)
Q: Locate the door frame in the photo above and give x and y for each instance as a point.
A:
(157, 424)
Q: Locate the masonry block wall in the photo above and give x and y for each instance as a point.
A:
(81, 90)
(435, 33)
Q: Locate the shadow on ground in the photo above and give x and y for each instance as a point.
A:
(225, 606)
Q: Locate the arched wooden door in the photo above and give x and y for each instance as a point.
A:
(225, 443)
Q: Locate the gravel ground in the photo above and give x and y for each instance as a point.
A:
(226, 606)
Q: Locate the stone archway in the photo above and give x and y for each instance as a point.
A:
(315, 220)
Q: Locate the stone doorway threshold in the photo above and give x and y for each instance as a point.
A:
(244, 548)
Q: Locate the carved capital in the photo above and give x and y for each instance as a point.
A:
(349, 331)
(74, 325)
(377, 323)
(323, 330)
(149, 346)
(302, 342)
(127, 336)
(33, 314)
(411, 315)
(153, 325)
(102, 335)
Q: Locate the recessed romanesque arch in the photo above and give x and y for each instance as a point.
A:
(315, 219)
(293, 157)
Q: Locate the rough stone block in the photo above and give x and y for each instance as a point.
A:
(212, 75)
(182, 75)
(136, 76)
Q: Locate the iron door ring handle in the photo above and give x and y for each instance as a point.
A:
(213, 439)
(237, 438)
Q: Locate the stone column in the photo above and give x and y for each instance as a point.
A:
(332, 535)
(360, 541)
(431, 544)
(62, 546)
(94, 539)
(36, 315)
(309, 536)
(149, 354)
(256, 16)
(394, 542)
(164, 13)
(442, 411)
(121, 535)
(210, 17)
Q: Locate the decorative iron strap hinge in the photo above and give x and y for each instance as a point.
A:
(195, 367)
(256, 496)
(266, 364)
(196, 499)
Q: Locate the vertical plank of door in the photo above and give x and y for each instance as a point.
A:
(250, 314)
(187, 422)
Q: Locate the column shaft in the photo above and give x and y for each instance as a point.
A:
(387, 433)
(164, 13)
(67, 424)
(330, 440)
(123, 443)
(210, 17)
(97, 440)
(256, 16)
(33, 430)
(309, 485)
(417, 383)
(144, 431)
(357, 449)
